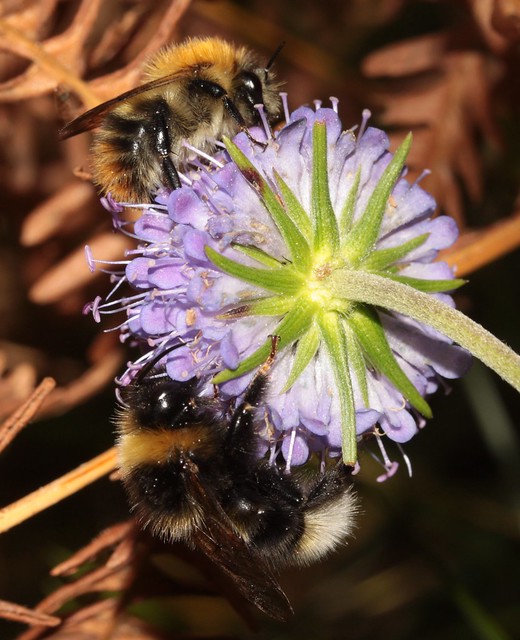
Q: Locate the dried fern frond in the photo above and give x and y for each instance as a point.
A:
(444, 94)
(456, 88)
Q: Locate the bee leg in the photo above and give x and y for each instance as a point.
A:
(238, 438)
(235, 114)
(332, 483)
(255, 390)
(163, 145)
(171, 174)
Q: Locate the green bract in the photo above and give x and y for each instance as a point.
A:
(320, 243)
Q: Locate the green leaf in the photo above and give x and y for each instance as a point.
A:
(297, 245)
(269, 306)
(294, 324)
(370, 333)
(365, 231)
(427, 286)
(349, 208)
(326, 233)
(282, 280)
(305, 351)
(257, 254)
(381, 259)
(334, 338)
(294, 208)
(357, 361)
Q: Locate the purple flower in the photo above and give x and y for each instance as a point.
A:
(256, 246)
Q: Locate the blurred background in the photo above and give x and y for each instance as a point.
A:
(435, 555)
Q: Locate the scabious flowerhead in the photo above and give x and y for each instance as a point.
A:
(257, 244)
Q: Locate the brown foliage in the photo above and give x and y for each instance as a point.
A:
(452, 87)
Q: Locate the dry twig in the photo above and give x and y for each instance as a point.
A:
(476, 249)
(57, 490)
(11, 427)
(17, 613)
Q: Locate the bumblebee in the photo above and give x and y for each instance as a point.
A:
(197, 92)
(192, 475)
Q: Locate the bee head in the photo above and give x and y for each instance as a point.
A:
(158, 401)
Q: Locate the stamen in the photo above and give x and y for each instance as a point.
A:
(406, 459)
(317, 104)
(285, 104)
(90, 258)
(130, 234)
(202, 154)
(125, 303)
(116, 287)
(391, 470)
(113, 274)
(120, 224)
(154, 251)
(91, 261)
(366, 114)
(272, 454)
(334, 102)
(263, 117)
(184, 178)
(151, 207)
(382, 448)
(139, 363)
(291, 449)
(135, 252)
(159, 343)
(111, 205)
(323, 462)
(119, 397)
(93, 308)
(423, 175)
(390, 466)
(122, 326)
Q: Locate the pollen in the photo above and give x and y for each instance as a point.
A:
(323, 271)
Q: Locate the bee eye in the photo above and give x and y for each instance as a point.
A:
(250, 89)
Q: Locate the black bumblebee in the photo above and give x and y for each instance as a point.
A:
(192, 475)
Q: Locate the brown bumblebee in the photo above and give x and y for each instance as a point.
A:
(194, 476)
(197, 91)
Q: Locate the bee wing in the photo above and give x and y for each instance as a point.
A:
(94, 117)
(223, 546)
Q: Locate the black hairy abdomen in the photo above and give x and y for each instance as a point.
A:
(160, 487)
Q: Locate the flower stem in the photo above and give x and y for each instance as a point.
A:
(369, 288)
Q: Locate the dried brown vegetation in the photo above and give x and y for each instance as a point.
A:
(454, 84)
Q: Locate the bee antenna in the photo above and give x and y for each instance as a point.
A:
(151, 364)
(271, 60)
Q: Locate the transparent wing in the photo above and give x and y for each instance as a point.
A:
(94, 117)
(221, 544)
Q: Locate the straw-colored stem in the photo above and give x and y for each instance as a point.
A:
(57, 490)
(476, 249)
(10, 428)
